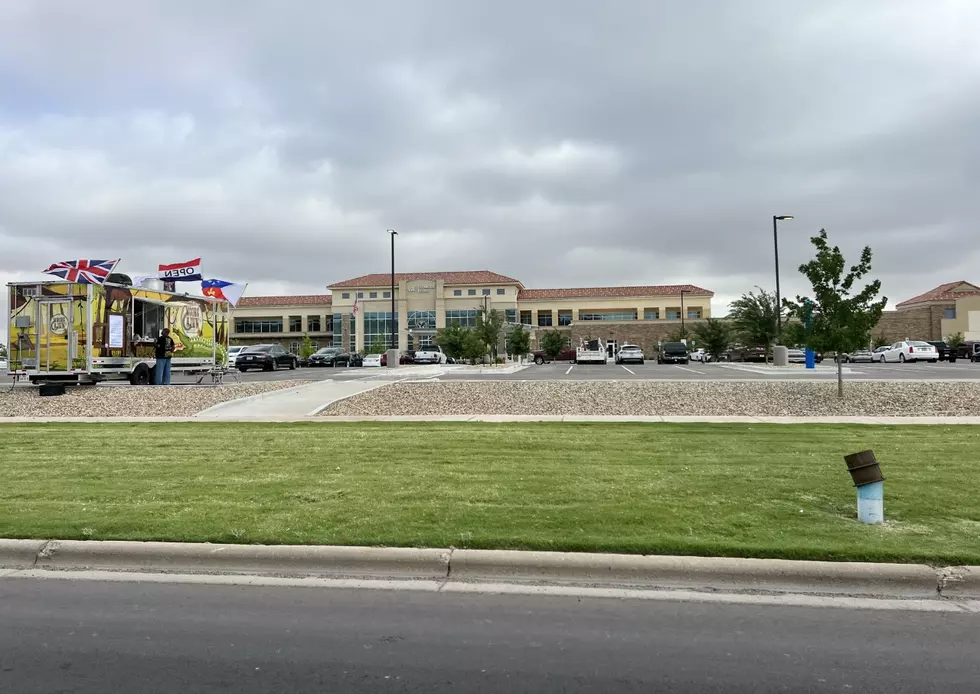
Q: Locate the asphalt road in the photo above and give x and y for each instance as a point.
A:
(68, 636)
(647, 371)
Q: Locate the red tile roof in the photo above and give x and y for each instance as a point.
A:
(943, 292)
(467, 277)
(613, 292)
(301, 300)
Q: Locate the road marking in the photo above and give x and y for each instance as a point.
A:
(632, 372)
(684, 368)
(570, 369)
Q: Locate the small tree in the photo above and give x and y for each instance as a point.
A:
(451, 339)
(378, 347)
(489, 323)
(837, 319)
(953, 342)
(679, 334)
(518, 341)
(306, 348)
(473, 346)
(3, 350)
(880, 340)
(715, 336)
(755, 317)
(552, 343)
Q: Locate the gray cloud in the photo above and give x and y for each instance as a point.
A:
(564, 143)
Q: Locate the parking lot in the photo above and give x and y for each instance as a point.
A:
(598, 372)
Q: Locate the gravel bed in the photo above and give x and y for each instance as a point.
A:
(129, 401)
(689, 398)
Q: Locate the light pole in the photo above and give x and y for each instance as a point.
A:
(683, 331)
(393, 351)
(775, 245)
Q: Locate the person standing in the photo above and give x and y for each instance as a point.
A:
(164, 353)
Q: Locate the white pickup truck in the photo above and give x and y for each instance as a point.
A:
(430, 355)
(591, 352)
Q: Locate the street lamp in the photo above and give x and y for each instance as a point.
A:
(394, 333)
(775, 245)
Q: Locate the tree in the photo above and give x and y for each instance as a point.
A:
(881, 340)
(473, 347)
(451, 339)
(836, 319)
(3, 350)
(306, 347)
(754, 317)
(714, 336)
(679, 334)
(518, 341)
(489, 323)
(378, 347)
(552, 343)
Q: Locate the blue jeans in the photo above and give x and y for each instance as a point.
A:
(162, 372)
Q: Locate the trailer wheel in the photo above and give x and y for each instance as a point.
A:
(140, 375)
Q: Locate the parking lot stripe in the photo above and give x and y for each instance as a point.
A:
(570, 369)
(632, 372)
(691, 370)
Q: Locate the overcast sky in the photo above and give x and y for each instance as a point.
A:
(564, 143)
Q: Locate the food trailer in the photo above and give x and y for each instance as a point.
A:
(86, 333)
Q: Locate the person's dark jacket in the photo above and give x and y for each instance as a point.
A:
(165, 347)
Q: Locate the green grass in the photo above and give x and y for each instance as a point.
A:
(724, 490)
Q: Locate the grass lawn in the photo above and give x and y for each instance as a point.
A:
(707, 489)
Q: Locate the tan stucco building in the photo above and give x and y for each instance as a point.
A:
(935, 315)
(358, 312)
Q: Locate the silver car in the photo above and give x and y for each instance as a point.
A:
(860, 356)
(629, 353)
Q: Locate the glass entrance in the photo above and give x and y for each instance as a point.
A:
(54, 336)
(611, 349)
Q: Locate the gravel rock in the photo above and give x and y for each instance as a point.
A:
(653, 398)
(129, 401)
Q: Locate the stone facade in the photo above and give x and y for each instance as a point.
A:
(923, 323)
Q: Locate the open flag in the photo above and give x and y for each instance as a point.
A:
(355, 306)
(226, 291)
(83, 271)
(182, 272)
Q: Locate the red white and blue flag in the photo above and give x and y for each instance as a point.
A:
(224, 291)
(182, 272)
(83, 271)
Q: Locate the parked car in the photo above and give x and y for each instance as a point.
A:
(969, 350)
(330, 356)
(747, 354)
(355, 359)
(942, 348)
(880, 350)
(233, 352)
(266, 357)
(403, 359)
(431, 354)
(795, 355)
(673, 353)
(910, 350)
(371, 360)
(3, 364)
(860, 356)
(567, 354)
(629, 353)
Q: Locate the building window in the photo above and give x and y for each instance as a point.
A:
(421, 320)
(258, 325)
(377, 329)
(386, 295)
(544, 319)
(313, 324)
(525, 318)
(651, 314)
(457, 292)
(373, 295)
(346, 295)
(464, 319)
(471, 292)
(314, 345)
(694, 313)
(294, 347)
(949, 313)
(673, 314)
(501, 292)
(360, 295)
(564, 318)
(607, 315)
(510, 315)
(486, 292)
(296, 324)
(337, 320)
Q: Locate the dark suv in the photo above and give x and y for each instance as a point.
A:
(673, 353)
(942, 348)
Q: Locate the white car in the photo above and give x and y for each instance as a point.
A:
(372, 360)
(796, 355)
(233, 352)
(629, 353)
(3, 364)
(909, 350)
(431, 354)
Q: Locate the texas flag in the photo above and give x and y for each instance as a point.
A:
(182, 272)
(225, 291)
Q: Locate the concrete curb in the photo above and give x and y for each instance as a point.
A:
(280, 559)
(653, 419)
(694, 573)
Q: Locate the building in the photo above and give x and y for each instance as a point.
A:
(283, 319)
(428, 301)
(936, 314)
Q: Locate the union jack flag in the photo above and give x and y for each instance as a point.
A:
(83, 271)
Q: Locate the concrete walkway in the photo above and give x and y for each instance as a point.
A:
(290, 403)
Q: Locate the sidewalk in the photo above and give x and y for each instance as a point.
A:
(291, 403)
(706, 574)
